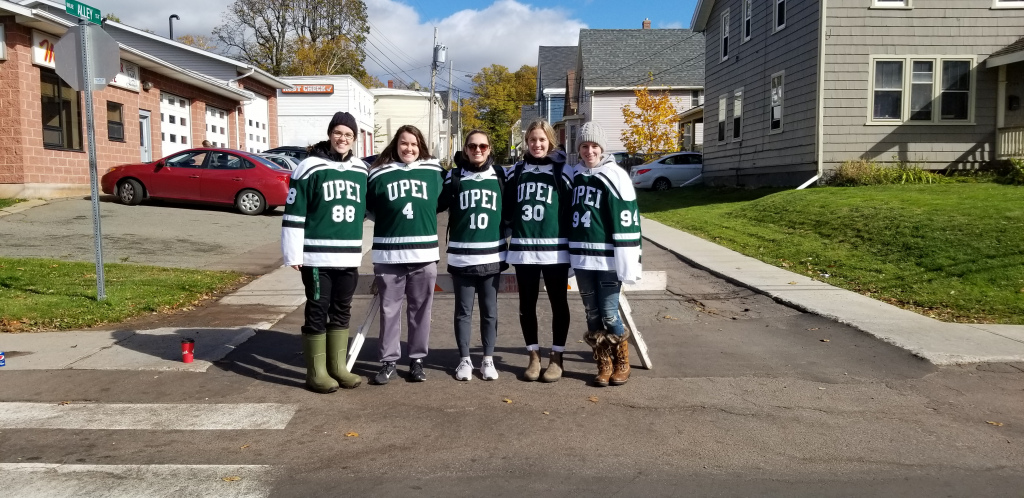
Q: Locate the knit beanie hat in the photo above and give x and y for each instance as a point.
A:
(343, 118)
(592, 132)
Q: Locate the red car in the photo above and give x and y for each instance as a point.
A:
(219, 176)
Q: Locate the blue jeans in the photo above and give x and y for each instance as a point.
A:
(600, 293)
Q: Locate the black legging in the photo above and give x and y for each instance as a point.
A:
(556, 278)
(328, 297)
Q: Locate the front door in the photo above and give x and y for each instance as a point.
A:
(145, 137)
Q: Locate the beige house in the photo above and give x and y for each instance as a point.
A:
(394, 108)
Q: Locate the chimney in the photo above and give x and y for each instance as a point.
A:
(647, 23)
(391, 83)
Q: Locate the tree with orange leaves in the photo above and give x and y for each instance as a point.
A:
(651, 128)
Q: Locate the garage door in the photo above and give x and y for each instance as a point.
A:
(216, 126)
(256, 116)
(175, 133)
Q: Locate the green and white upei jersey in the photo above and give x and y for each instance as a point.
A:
(403, 200)
(533, 214)
(475, 236)
(604, 231)
(322, 224)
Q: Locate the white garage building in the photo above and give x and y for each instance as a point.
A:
(305, 112)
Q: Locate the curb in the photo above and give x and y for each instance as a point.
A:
(22, 206)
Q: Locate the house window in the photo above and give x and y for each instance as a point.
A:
(1008, 4)
(725, 35)
(3, 44)
(721, 117)
(780, 14)
(61, 113)
(914, 90)
(737, 114)
(748, 6)
(115, 121)
(775, 120)
(891, 4)
(888, 102)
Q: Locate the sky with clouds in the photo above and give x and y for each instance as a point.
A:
(477, 33)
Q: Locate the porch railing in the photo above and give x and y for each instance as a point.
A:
(1009, 142)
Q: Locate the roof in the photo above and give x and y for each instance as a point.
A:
(1009, 54)
(553, 63)
(625, 58)
(701, 13)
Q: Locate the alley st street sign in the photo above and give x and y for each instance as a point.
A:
(83, 11)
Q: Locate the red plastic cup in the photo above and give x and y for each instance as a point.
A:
(188, 347)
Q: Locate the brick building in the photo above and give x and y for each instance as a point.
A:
(168, 97)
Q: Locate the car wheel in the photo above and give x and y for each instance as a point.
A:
(661, 184)
(129, 192)
(250, 202)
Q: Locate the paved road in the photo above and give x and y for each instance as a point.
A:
(746, 398)
(154, 233)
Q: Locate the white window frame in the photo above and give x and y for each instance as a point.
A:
(937, 90)
(3, 44)
(723, 39)
(776, 27)
(782, 102)
(748, 20)
(1008, 4)
(723, 115)
(892, 4)
(737, 114)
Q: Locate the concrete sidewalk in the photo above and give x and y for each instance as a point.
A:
(269, 298)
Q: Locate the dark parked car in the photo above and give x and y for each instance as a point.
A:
(217, 176)
(299, 153)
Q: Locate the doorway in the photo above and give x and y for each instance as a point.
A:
(145, 137)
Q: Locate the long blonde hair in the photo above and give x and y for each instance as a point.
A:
(541, 124)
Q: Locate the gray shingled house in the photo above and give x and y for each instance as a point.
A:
(932, 82)
(611, 63)
(553, 64)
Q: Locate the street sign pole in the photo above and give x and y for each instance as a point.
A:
(87, 72)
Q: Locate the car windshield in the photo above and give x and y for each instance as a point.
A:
(268, 163)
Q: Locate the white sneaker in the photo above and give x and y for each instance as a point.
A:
(487, 370)
(465, 370)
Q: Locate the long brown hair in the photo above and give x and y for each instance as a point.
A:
(390, 153)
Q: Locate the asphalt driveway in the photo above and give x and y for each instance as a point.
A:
(154, 233)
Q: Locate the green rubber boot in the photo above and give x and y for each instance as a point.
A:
(314, 350)
(337, 359)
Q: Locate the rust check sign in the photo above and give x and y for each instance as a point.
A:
(311, 89)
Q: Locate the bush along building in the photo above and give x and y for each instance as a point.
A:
(797, 87)
(167, 97)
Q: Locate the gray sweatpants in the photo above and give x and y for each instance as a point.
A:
(413, 283)
(466, 289)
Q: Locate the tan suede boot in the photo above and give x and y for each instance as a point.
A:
(603, 355)
(554, 370)
(532, 372)
(621, 374)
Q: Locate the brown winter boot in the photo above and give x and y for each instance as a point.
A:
(621, 374)
(532, 372)
(554, 370)
(603, 355)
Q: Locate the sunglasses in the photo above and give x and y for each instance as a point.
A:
(480, 147)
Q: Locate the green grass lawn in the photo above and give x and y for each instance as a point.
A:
(9, 202)
(45, 294)
(952, 251)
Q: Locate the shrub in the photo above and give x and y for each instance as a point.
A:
(863, 172)
(1010, 172)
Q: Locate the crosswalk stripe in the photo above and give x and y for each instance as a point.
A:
(240, 416)
(32, 480)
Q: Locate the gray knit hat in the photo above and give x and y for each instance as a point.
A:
(592, 132)
(343, 118)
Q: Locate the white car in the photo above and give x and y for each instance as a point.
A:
(286, 162)
(669, 171)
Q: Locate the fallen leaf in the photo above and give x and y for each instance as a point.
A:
(231, 478)
(351, 434)
(62, 403)
(821, 388)
(824, 340)
(546, 413)
(997, 424)
(507, 400)
(792, 283)
(581, 342)
(813, 328)
(670, 317)
(592, 399)
(244, 446)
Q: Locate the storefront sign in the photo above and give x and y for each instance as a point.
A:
(127, 77)
(328, 89)
(42, 49)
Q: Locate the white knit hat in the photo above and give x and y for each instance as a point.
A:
(592, 132)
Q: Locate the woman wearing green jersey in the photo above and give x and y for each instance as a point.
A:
(402, 193)
(476, 247)
(604, 248)
(322, 237)
(536, 198)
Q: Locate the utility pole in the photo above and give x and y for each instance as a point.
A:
(451, 142)
(440, 51)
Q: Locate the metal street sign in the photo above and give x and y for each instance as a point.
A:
(104, 57)
(87, 12)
